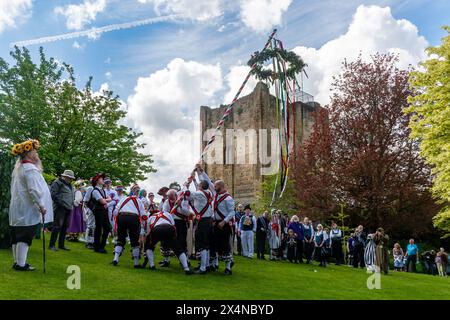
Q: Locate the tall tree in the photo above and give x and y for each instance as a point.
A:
(312, 173)
(374, 168)
(78, 129)
(430, 121)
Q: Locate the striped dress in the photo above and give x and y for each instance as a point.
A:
(369, 253)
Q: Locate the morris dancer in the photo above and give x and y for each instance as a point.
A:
(162, 229)
(30, 201)
(180, 217)
(201, 204)
(223, 214)
(128, 220)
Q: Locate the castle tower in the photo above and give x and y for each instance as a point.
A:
(254, 118)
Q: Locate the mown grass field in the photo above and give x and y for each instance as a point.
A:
(251, 279)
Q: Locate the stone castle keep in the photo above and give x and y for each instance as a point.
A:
(255, 111)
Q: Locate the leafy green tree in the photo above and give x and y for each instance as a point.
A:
(265, 201)
(78, 128)
(430, 121)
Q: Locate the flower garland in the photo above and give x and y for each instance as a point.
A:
(258, 59)
(26, 146)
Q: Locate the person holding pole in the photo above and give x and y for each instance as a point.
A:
(30, 202)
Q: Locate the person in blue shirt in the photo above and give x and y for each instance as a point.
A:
(412, 254)
(297, 228)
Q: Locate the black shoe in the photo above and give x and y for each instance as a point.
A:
(138, 266)
(26, 267)
(200, 272)
(164, 264)
(263, 258)
(52, 248)
(188, 272)
(63, 248)
(14, 265)
(144, 264)
(152, 268)
(227, 272)
(101, 251)
(89, 246)
(208, 269)
(115, 263)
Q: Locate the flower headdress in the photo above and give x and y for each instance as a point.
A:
(26, 146)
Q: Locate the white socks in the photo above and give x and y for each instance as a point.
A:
(151, 258)
(21, 253)
(208, 259)
(204, 260)
(117, 251)
(14, 253)
(229, 265)
(184, 262)
(136, 255)
(216, 261)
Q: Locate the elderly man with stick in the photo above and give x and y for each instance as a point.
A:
(31, 202)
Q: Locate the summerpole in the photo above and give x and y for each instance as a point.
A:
(225, 115)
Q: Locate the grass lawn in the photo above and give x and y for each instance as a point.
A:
(251, 279)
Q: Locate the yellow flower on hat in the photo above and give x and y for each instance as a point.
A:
(27, 145)
(17, 149)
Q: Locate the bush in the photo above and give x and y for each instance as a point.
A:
(6, 166)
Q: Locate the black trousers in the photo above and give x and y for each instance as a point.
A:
(203, 234)
(102, 229)
(60, 225)
(23, 234)
(358, 256)
(336, 251)
(291, 252)
(260, 244)
(181, 240)
(220, 243)
(239, 245)
(411, 260)
(163, 233)
(299, 251)
(309, 249)
(128, 225)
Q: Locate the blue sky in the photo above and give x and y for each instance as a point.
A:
(212, 41)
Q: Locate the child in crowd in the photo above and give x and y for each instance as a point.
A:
(350, 250)
(291, 247)
(398, 257)
(319, 245)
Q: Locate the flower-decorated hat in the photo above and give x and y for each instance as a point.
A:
(24, 147)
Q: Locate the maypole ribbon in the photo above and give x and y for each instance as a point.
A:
(227, 112)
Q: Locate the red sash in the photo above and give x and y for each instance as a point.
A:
(199, 215)
(134, 199)
(219, 201)
(159, 216)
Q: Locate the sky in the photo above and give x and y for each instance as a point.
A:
(166, 58)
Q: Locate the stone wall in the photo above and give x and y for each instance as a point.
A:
(254, 111)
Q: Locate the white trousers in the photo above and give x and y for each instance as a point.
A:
(247, 243)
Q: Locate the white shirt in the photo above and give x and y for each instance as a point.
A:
(225, 207)
(28, 192)
(161, 220)
(129, 207)
(182, 209)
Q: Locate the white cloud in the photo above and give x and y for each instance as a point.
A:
(77, 45)
(13, 11)
(108, 75)
(262, 15)
(165, 108)
(373, 29)
(82, 14)
(201, 10)
(234, 79)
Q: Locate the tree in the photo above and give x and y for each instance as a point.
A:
(312, 170)
(78, 129)
(430, 122)
(365, 159)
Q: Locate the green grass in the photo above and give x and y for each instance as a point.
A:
(252, 279)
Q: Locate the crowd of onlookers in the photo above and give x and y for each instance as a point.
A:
(288, 238)
(278, 235)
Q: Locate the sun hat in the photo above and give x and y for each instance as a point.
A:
(68, 174)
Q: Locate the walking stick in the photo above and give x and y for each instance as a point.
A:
(43, 239)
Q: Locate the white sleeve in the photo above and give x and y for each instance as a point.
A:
(165, 207)
(31, 178)
(204, 176)
(254, 223)
(78, 198)
(230, 209)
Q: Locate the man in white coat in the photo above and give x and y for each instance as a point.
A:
(31, 202)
